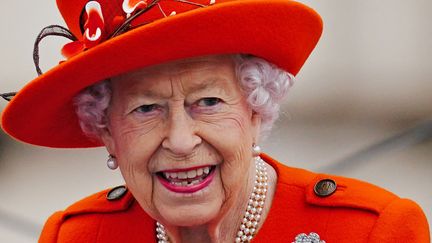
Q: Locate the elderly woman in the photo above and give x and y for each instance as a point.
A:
(181, 93)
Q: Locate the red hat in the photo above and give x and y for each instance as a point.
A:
(116, 36)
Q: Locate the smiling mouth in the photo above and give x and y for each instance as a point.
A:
(187, 181)
(186, 177)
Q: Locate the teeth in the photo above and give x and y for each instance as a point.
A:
(186, 183)
(192, 174)
(206, 170)
(188, 174)
(182, 175)
(173, 175)
(170, 175)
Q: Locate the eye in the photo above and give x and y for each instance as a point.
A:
(208, 102)
(146, 108)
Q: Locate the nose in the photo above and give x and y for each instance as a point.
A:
(181, 135)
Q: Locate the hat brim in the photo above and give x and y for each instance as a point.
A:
(282, 32)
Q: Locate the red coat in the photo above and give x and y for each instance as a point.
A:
(355, 212)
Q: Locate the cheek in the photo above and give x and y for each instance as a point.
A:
(231, 136)
(135, 147)
(135, 141)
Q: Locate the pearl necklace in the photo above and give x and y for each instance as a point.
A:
(253, 212)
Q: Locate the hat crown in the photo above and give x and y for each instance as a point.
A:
(115, 12)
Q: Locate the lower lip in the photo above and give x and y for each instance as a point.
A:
(188, 189)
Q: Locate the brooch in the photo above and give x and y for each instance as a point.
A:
(311, 238)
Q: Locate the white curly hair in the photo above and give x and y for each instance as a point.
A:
(264, 86)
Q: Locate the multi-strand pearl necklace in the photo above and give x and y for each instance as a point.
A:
(254, 209)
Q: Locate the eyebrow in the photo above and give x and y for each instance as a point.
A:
(156, 93)
(205, 84)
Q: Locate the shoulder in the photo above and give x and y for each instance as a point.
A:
(99, 218)
(348, 205)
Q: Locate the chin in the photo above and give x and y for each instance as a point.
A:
(191, 215)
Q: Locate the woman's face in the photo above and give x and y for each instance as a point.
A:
(182, 134)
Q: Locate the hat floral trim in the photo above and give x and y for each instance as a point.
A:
(92, 33)
(95, 30)
(129, 6)
(96, 27)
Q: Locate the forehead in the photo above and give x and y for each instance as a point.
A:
(191, 74)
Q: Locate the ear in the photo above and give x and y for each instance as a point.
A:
(256, 127)
(108, 140)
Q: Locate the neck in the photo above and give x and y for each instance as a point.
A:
(225, 228)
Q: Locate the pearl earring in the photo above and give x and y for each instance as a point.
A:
(112, 162)
(256, 150)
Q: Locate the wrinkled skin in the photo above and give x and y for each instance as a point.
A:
(180, 115)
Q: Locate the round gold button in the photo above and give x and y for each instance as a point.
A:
(325, 187)
(116, 193)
